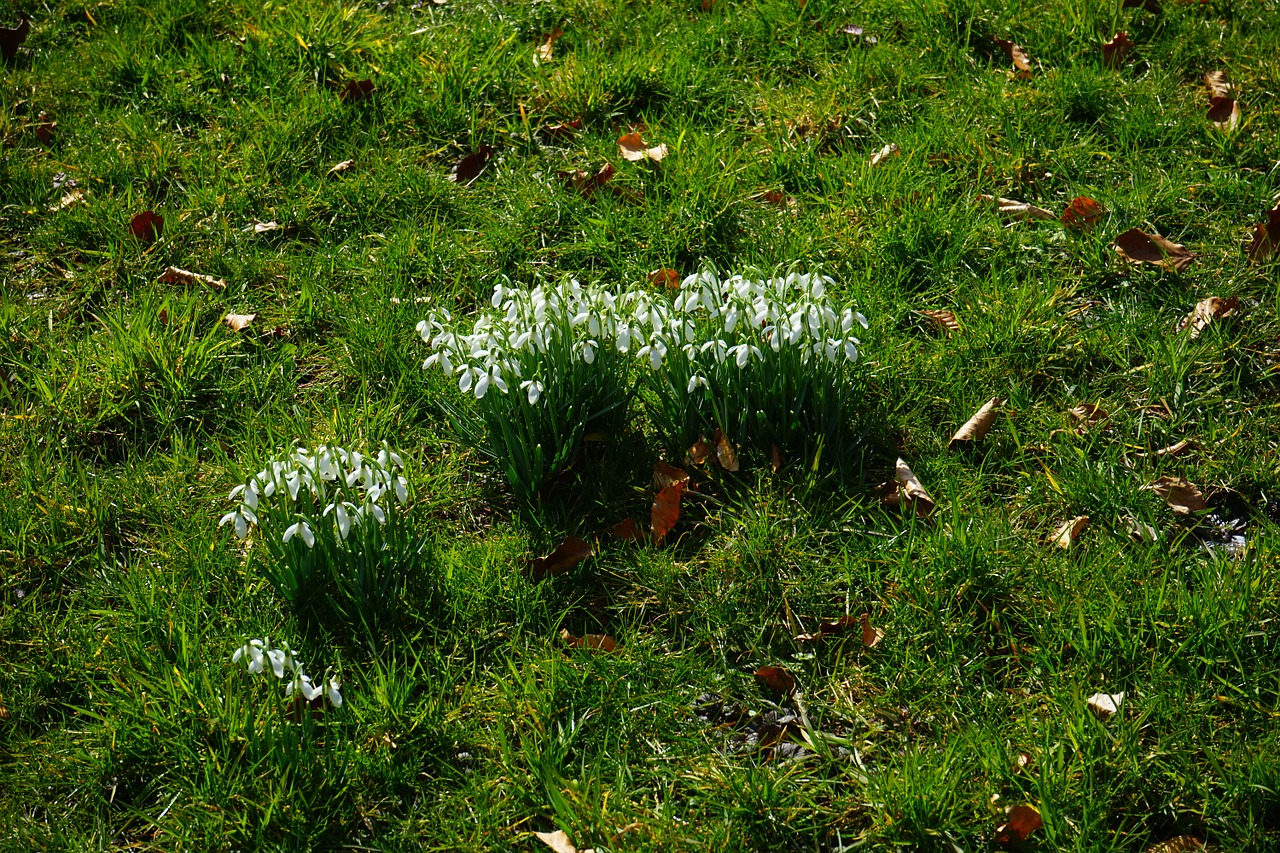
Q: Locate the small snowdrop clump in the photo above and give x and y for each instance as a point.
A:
(279, 660)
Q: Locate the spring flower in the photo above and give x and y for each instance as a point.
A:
(300, 528)
(252, 649)
(331, 691)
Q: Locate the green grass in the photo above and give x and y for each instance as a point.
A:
(127, 412)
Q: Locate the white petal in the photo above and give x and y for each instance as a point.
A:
(482, 386)
(242, 526)
(331, 689)
(277, 658)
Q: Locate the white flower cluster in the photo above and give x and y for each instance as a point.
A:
(369, 479)
(528, 334)
(280, 661)
(714, 323)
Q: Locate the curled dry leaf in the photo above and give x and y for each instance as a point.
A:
(257, 227)
(628, 531)
(74, 197)
(725, 454)
(631, 146)
(665, 512)
(1082, 214)
(827, 630)
(1017, 55)
(43, 130)
(1020, 822)
(4, 713)
(1137, 247)
(1224, 113)
(667, 279)
(945, 320)
(600, 642)
(1018, 210)
(1180, 844)
(12, 39)
(558, 841)
(1206, 311)
(1067, 533)
(587, 183)
(239, 322)
(469, 167)
(1265, 242)
(146, 226)
(1089, 414)
(890, 150)
(977, 427)
(1218, 84)
(665, 475)
(1105, 705)
(1140, 531)
(777, 679)
(542, 53)
(356, 90)
(176, 275)
(871, 635)
(570, 552)
(1115, 51)
(700, 452)
(339, 168)
(563, 130)
(1179, 493)
(1022, 762)
(1175, 449)
(910, 493)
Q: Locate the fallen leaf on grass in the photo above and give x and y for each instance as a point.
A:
(239, 322)
(559, 842)
(73, 197)
(339, 168)
(945, 320)
(665, 474)
(601, 642)
(176, 275)
(4, 713)
(1137, 246)
(1067, 533)
(257, 227)
(43, 130)
(1019, 210)
(870, 634)
(469, 167)
(1175, 449)
(628, 531)
(567, 554)
(725, 454)
(1179, 493)
(665, 512)
(147, 226)
(1141, 532)
(12, 39)
(356, 90)
(777, 679)
(777, 198)
(890, 150)
(1020, 822)
(1082, 214)
(826, 630)
(631, 146)
(1105, 705)
(1114, 51)
(977, 427)
(587, 183)
(542, 53)
(1089, 414)
(1266, 238)
(1218, 84)
(1206, 311)
(1017, 55)
(1181, 844)
(907, 492)
(1224, 113)
(563, 130)
(667, 279)
(775, 459)
(700, 452)
(1022, 762)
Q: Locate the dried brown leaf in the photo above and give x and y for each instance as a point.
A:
(1176, 449)
(1083, 214)
(1180, 844)
(777, 679)
(775, 459)
(599, 642)
(74, 197)
(1265, 243)
(12, 39)
(628, 531)
(563, 130)
(1017, 55)
(176, 275)
(356, 90)
(890, 150)
(570, 552)
(1105, 705)
(1137, 246)
(1179, 493)
(587, 183)
(469, 167)
(871, 636)
(912, 493)
(1115, 51)
(1018, 210)
(977, 427)
(1089, 414)
(543, 52)
(826, 630)
(1224, 113)
(665, 474)
(239, 322)
(558, 841)
(777, 198)
(667, 279)
(1020, 822)
(725, 454)
(146, 226)
(1206, 311)
(1069, 532)
(631, 146)
(339, 168)
(700, 452)
(665, 512)
(1218, 84)
(945, 320)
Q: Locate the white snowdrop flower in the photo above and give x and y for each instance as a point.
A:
(589, 352)
(464, 383)
(482, 384)
(300, 528)
(498, 381)
(332, 693)
(731, 320)
(498, 294)
(341, 516)
(278, 658)
(742, 355)
(252, 650)
(623, 338)
(593, 326)
(402, 490)
(862, 321)
(696, 381)
(851, 349)
(534, 389)
(378, 513)
(301, 683)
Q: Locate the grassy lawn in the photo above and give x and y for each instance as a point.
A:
(129, 410)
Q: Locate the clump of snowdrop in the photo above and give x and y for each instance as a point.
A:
(334, 526)
(261, 658)
(765, 359)
(542, 368)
